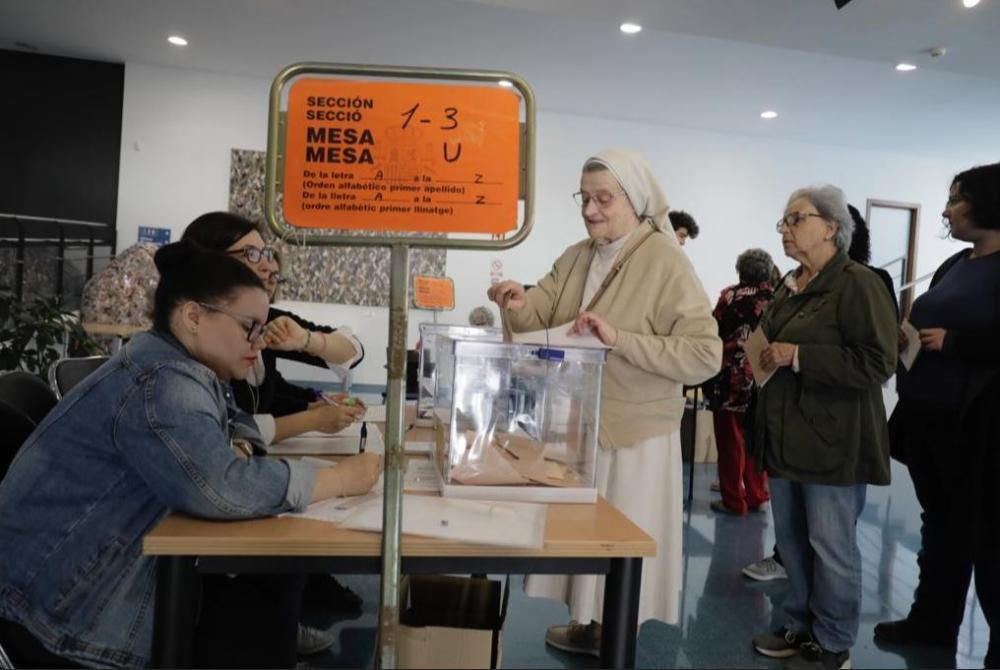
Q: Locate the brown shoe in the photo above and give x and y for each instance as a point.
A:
(576, 638)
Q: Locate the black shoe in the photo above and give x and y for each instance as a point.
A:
(906, 632)
(992, 659)
(324, 591)
(782, 643)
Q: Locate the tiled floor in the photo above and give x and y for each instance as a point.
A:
(720, 608)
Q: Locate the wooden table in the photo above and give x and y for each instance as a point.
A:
(579, 539)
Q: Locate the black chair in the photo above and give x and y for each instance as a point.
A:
(27, 393)
(68, 372)
(24, 401)
(16, 429)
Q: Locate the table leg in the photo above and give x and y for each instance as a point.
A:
(621, 613)
(175, 613)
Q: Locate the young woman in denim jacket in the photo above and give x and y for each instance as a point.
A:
(151, 432)
(280, 408)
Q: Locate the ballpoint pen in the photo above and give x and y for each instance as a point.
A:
(364, 437)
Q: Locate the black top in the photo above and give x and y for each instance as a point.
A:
(887, 280)
(275, 395)
(957, 301)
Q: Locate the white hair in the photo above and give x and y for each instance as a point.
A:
(831, 204)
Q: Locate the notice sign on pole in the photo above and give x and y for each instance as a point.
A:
(391, 156)
(435, 293)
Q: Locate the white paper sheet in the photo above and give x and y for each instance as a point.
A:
(354, 430)
(318, 462)
(559, 337)
(909, 355)
(493, 523)
(375, 414)
(336, 445)
(335, 510)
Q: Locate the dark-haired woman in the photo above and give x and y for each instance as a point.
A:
(743, 486)
(281, 409)
(153, 431)
(946, 426)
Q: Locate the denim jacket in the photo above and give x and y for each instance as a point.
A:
(146, 434)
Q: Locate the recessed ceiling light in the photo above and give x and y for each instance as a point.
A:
(969, 4)
(906, 67)
(630, 28)
(769, 114)
(505, 83)
(177, 41)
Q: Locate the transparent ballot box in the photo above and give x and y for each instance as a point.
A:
(430, 336)
(517, 421)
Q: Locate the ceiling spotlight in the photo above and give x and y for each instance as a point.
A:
(630, 28)
(906, 67)
(969, 4)
(769, 114)
(505, 83)
(177, 41)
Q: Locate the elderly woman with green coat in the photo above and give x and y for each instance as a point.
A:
(819, 424)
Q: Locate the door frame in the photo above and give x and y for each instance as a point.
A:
(909, 272)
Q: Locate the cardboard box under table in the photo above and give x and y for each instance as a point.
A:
(451, 622)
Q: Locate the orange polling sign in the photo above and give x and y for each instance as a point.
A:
(433, 292)
(389, 156)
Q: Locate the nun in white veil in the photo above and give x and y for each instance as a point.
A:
(630, 285)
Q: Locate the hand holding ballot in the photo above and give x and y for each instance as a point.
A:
(590, 323)
(777, 355)
(754, 348)
(508, 295)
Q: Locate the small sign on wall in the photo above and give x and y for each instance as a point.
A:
(435, 293)
(157, 236)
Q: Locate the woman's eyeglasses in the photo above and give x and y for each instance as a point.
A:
(602, 198)
(254, 328)
(792, 220)
(254, 254)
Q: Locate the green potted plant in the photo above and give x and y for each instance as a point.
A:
(36, 333)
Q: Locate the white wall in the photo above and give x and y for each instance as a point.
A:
(178, 127)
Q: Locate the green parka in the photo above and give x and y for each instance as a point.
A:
(826, 424)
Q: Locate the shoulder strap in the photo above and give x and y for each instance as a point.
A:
(618, 268)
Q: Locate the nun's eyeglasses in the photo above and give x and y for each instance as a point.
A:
(602, 198)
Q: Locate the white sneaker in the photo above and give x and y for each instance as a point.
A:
(313, 640)
(765, 570)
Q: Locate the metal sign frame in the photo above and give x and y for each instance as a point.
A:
(398, 287)
(275, 153)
